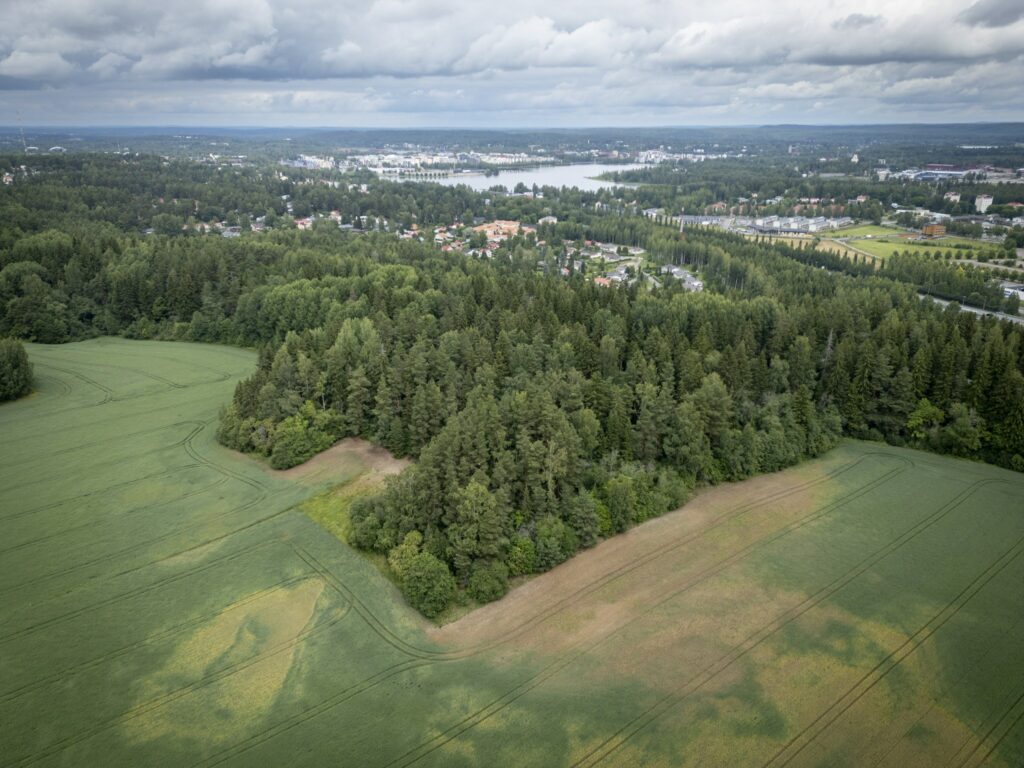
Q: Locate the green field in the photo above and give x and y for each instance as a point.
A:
(835, 246)
(889, 246)
(884, 241)
(861, 230)
(165, 603)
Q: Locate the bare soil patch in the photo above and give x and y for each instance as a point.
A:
(347, 458)
(598, 589)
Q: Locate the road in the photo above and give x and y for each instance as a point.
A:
(975, 310)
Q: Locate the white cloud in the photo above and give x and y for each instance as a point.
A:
(109, 65)
(30, 65)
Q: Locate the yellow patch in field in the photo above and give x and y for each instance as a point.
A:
(225, 676)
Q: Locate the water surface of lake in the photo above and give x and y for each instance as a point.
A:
(579, 175)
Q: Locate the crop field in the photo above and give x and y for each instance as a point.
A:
(165, 603)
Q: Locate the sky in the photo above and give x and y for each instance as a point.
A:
(528, 63)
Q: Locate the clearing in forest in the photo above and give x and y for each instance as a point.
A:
(164, 603)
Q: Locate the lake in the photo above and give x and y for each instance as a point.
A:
(577, 175)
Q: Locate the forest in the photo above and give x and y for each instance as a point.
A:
(796, 180)
(544, 412)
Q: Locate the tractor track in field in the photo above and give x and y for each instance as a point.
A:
(190, 449)
(16, 693)
(972, 668)
(1005, 721)
(496, 706)
(607, 578)
(89, 470)
(1018, 705)
(66, 389)
(32, 460)
(137, 371)
(1002, 719)
(149, 542)
(221, 375)
(869, 680)
(425, 657)
(239, 354)
(206, 680)
(326, 705)
(29, 417)
(376, 626)
(114, 599)
(186, 442)
(98, 492)
(107, 518)
(263, 495)
(618, 740)
(110, 396)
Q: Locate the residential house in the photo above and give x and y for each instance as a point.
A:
(687, 278)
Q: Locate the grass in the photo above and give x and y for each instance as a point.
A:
(330, 510)
(861, 230)
(842, 249)
(885, 248)
(853, 243)
(166, 602)
(882, 242)
(836, 246)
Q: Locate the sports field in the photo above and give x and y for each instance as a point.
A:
(164, 603)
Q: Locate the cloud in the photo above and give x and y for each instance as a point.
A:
(571, 62)
(27, 65)
(993, 13)
(737, 43)
(856, 21)
(110, 65)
